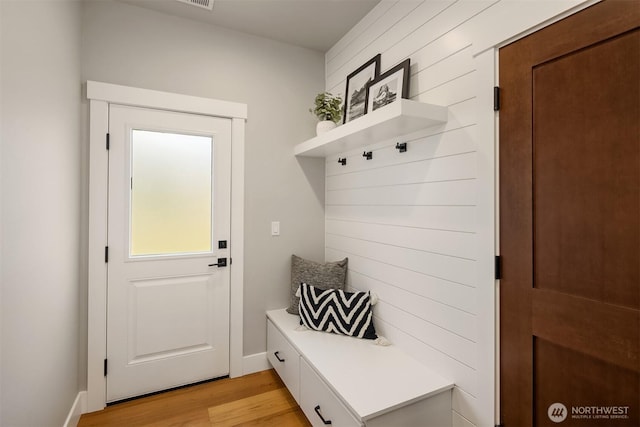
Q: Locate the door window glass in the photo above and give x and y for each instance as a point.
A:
(171, 193)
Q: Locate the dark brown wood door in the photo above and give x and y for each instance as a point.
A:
(570, 221)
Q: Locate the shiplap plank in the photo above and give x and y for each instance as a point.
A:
(464, 376)
(453, 92)
(452, 218)
(450, 243)
(460, 115)
(383, 21)
(464, 403)
(438, 26)
(438, 290)
(445, 34)
(418, 18)
(368, 43)
(458, 348)
(411, 23)
(402, 20)
(450, 193)
(447, 94)
(437, 51)
(458, 270)
(371, 19)
(448, 168)
(454, 66)
(444, 317)
(337, 87)
(460, 421)
(509, 18)
(442, 144)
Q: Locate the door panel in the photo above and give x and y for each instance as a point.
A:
(570, 221)
(586, 236)
(169, 204)
(181, 327)
(567, 376)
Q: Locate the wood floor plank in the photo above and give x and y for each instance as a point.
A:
(293, 418)
(183, 407)
(241, 411)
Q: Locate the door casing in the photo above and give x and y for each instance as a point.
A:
(100, 95)
(486, 55)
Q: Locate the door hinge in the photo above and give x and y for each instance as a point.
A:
(106, 254)
(107, 141)
(496, 98)
(498, 267)
(105, 367)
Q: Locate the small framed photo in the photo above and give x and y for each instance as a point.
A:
(389, 87)
(355, 102)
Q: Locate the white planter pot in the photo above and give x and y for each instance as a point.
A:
(324, 126)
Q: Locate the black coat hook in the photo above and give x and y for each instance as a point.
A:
(368, 155)
(342, 160)
(401, 147)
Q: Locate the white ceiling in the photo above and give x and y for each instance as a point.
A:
(314, 24)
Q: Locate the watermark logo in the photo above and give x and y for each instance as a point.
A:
(557, 412)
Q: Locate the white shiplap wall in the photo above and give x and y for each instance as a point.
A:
(418, 227)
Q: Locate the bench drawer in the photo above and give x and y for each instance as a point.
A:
(284, 359)
(319, 403)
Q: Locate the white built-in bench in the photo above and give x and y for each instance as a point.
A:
(345, 381)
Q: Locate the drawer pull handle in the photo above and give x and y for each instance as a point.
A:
(317, 409)
(278, 357)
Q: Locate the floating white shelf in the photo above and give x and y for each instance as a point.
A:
(396, 119)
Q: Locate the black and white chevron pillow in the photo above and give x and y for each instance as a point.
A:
(337, 311)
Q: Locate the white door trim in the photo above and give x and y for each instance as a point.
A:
(100, 95)
(136, 97)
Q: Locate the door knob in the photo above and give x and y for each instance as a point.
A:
(222, 262)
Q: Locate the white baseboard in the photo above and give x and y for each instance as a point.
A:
(255, 363)
(79, 407)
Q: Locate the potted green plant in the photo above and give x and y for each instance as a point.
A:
(328, 109)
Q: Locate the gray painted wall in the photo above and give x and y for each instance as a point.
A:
(132, 46)
(44, 172)
(40, 175)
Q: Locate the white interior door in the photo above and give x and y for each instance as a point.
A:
(169, 212)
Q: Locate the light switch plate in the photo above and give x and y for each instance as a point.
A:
(275, 228)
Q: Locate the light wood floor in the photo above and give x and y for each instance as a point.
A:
(256, 399)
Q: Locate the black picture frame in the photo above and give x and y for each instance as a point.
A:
(355, 103)
(385, 88)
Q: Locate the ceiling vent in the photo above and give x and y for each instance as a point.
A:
(204, 4)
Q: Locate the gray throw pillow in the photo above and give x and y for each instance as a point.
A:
(327, 275)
